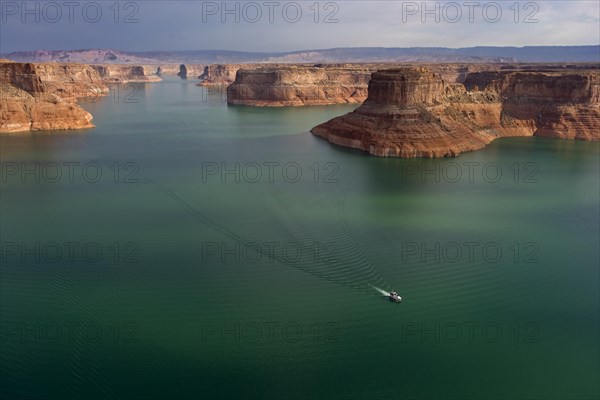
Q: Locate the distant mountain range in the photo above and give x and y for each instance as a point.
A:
(485, 54)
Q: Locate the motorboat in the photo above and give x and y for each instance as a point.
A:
(395, 297)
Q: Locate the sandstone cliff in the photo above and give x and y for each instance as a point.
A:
(299, 86)
(190, 71)
(308, 84)
(563, 105)
(125, 73)
(42, 96)
(413, 112)
(22, 111)
(219, 74)
(275, 85)
(68, 81)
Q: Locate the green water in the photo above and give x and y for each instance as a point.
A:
(195, 284)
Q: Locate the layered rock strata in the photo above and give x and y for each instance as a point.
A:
(413, 112)
(42, 96)
(299, 86)
(125, 73)
(222, 74)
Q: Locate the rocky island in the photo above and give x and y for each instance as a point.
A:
(299, 85)
(413, 112)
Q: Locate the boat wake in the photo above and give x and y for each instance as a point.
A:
(383, 292)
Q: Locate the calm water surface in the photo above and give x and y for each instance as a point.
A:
(224, 252)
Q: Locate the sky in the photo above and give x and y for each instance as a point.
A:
(271, 25)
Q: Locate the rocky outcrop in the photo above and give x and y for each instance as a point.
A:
(22, 111)
(299, 86)
(224, 74)
(274, 85)
(68, 81)
(182, 71)
(397, 119)
(192, 71)
(219, 74)
(413, 112)
(562, 105)
(125, 73)
(42, 96)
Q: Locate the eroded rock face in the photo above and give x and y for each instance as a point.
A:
(413, 112)
(405, 87)
(314, 84)
(398, 119)
(192, 71)
(125, 73)
(563, 105)
(299, 86)
(42, 96)
(68, 81)
(220, 74)
(22, 111)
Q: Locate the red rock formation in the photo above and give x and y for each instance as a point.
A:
(126, 73)
(221, 74)
(274, 85)
(564, 105)
(69, 81)
(21, 111)
(41, 96)
(412, 112)
(193, 71)
(396, 119)
(299, 86)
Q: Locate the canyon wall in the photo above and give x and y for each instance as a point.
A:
(126, 73)
(69, 81)
(276, 85)
(41, 96)
(224, 74)
(299, 86)
(148, 72)
(559, 105)
(189, 71)
(413, 112)
(221, 74)
(309, 84)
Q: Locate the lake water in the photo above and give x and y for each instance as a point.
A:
(187, 249)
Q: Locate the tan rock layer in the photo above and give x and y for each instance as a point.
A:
(42, 96)
(412, 112)
(275, 85)
(223, 74)
(126, 73)
(299, 86)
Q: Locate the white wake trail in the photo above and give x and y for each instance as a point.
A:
(383, 292)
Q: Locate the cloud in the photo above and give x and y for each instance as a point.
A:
(288, 25)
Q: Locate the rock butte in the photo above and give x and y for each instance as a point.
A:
(126, 73)
(299, 86)
(42, 96)
(280, 85)
(225, 74)
(413, 112)
(271, 85)
(460, 106)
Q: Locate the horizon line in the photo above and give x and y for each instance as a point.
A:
(302, 50)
